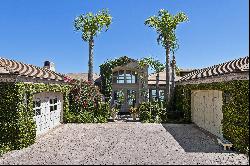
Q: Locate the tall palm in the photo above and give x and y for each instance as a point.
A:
(157, 67)
(90, 25)
(165, 25)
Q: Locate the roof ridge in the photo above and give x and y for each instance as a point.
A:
(198, 71)
(13, 66)
(37, 67)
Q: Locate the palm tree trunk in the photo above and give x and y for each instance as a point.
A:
(157, 87)
(167, 94)
(91, 60)
(173, 75)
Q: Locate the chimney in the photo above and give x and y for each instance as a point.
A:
(49, 65)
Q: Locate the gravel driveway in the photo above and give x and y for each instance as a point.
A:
(124, 143)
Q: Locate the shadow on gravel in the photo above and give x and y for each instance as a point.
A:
(193, 139)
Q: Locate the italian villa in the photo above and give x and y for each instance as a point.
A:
(49, 99)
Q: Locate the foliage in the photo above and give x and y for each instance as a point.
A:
(156, 65)
(91, 25)
(17, 127)
(120, 97)
(152, 112)
(165, 25)
(235, 111)
(133, 110)
(114, 110)
(84, 96)
(177, 70)
(86, 104)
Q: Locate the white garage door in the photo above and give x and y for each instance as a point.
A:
(47, 108)
(206, 107)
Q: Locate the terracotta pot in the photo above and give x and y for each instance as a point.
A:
(114, 116)
(134, 116)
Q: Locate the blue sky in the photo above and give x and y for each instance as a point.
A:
(35, 31)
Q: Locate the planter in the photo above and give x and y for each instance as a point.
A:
(134, 116)
(114, 116)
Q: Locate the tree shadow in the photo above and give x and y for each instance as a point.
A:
(193, 139)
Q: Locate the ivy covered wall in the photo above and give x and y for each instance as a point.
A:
(235, 108)
(17, 127)
(106, 74)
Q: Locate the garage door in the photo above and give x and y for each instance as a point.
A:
(206, 108)
(47, 108)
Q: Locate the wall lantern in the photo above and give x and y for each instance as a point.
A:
(227, 97)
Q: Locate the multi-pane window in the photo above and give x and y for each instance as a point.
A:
(154, 96)
(127, 76)
(130, 77)
(131, 97)
(37, 107)
(53, 104)
(161, 95)
(118, 77)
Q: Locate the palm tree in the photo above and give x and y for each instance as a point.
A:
(165, 25)
(90, 25)
(157, 67)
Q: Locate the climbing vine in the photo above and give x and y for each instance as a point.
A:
(235, 108)
(106, 74)
(17, 127)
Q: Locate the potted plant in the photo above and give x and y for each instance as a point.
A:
(114, 112)
(133, 111)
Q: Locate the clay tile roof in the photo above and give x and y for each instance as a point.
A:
(19, 68)
(162, 78)
(82, 76)
(237, 65)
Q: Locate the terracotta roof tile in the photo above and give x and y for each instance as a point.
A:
(237, 65)
(19, 68)
(82, 76)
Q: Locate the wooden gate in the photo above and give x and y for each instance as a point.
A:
(206, 110)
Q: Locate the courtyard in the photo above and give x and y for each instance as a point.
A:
(125, 143)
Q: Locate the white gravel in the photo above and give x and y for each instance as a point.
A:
(124, 143)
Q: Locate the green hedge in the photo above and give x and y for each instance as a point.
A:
(17, 127)
(235, 111)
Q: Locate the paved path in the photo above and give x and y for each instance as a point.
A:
(124, 143)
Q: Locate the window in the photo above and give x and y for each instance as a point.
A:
(118, 77)
(131, 77)
(154, 96)
(227, 97)
(37, 107)
(131, 97)
(53, 104)
(161, 95)
(121, 77)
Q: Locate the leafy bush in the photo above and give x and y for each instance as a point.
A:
(152, 112)
(133, 110)
(86, 104)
